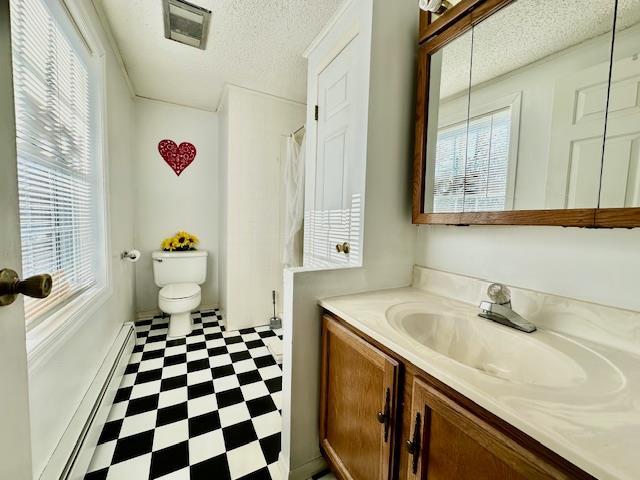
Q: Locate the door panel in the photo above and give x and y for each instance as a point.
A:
(584, 173)
(359, 383)
(334, 207)
(15, 450)
(577, 135)
(453, 455)
(620, 172)
(451, 442)
(333, 161)
(335, 151)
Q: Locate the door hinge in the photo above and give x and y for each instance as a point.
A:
(317, 114)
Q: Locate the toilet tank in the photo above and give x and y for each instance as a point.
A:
(179, 267)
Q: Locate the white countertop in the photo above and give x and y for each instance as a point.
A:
(596, 426)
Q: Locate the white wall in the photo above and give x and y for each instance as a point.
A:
(598, 266)
(223, 193)
(165, 203)
(388, 233)
(255, 125)
(58, 384)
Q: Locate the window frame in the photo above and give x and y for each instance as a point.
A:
(50, 332)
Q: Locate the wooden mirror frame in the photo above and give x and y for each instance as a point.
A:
(434, 35)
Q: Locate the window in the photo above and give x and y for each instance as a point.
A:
(59, 169)
(477, 181)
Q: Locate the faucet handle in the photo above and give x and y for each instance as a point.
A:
(499, 293)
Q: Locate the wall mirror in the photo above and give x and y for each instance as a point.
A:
(620, 183)
(450, 73)
(529, 113)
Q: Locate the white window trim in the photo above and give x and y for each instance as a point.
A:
(47, 337)
(459, 115)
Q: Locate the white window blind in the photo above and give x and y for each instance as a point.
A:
(57, 174)
(476, 181)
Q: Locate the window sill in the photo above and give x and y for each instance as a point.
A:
(47, 337)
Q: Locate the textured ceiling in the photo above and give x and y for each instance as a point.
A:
(527, 31)
(256, 44)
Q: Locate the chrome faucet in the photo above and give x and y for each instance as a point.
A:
(499, 309)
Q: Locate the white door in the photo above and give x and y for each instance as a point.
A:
(15, 449)
(335, 218)
(577, 133)
(621, 169)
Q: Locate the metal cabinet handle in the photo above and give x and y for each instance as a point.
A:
(384, 417)
(38, 286)
(413, 445)
(343, 248)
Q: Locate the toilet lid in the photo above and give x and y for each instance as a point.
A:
(177, 291)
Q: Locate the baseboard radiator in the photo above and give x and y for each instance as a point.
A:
(72, 456)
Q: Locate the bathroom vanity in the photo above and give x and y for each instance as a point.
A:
(438, 432)
(415, 385)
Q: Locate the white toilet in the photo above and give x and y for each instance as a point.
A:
(179, 274)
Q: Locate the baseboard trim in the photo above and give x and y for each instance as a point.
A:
(147, 314)
(303, 472)
(72, 456)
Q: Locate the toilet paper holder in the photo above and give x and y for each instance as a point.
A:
(132, 255)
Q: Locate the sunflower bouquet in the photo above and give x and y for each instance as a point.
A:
(180, 242)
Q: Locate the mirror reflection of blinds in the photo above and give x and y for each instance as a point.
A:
(56, 174)
(477, 181)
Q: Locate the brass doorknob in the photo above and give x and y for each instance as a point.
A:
(38, 286)
(343, 248)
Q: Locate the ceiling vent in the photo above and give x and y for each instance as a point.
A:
(186, 23)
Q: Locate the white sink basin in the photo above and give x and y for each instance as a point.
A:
(542, 358)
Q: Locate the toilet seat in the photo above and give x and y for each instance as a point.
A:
(179, 291)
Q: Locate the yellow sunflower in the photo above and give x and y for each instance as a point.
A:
(183, 240)
(180, 241)
(167, 244)
(195, 240)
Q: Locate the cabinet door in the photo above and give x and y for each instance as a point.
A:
(334, 193)
(357, 405)
(449, 442)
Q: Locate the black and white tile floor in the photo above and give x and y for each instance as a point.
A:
(206, 406)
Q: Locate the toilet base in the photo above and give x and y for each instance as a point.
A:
(180, 325)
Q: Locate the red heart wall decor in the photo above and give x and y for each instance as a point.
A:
(177, 157)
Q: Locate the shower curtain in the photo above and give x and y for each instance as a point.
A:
(294, 202)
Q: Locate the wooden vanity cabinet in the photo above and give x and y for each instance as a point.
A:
(383, 418)
(357, 405)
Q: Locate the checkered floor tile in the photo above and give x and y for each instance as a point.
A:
(206, 406)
